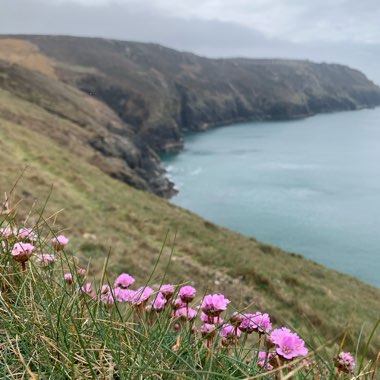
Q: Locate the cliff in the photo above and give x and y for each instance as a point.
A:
(158, 93)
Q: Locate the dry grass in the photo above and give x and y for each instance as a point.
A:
(26, 54)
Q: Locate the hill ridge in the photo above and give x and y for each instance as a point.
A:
(158, 93)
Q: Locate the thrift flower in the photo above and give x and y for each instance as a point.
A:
(264, 360)
(167, 291)
(123, 295)
(214, 304)
(159, 302)
(228, 331)
(187, 293)
(289, 344)
(247, 324)
(87, 289)
(141, 295)
(236, 319)
(59, 242)
(107, 299)
(105, 289)
(21, 252)
(211, 320)
(124, 281)
(276, 335)
(68, 277)
(27, 234)
(229, 334)
(178, 304)
(185, 313)
(81, 272)
(345, 362)
(45, 259)
(208, 330)
(262, 322)
(6, 232)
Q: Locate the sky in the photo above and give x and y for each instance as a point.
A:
(341, 31)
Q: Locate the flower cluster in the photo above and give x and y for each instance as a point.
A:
(282, 343)
(216, 327)
(287, 343)
(23, 246)
(257, 322)
(345, 362)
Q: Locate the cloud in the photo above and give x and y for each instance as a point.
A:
(342, 31)
(293, 20)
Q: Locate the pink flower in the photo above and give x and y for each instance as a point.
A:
(27, 233)
(167, 290)
(211, 320)
(345, 362)
(81, 272)
(208, 330)
(185, 313)
(236, 319)
(229, 334)
(214, 304)
(247, 325)
(228, 331)
(142, 295)
(107, 299)
(255, 322)
(68, 277)
(178, 304)
(21, 252)
(263, 323)
(124, 281)
(289, 344)
(159, 302)
(105, 289)
(187, 293)
(45, 259)
(59, 242)
(124, 295)
(6, 232)
(87, 289)
(264, 359)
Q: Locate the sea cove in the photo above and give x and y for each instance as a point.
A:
(311, 186)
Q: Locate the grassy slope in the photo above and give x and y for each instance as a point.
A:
(102, 213)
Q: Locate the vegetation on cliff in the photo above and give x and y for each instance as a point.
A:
(57, 325)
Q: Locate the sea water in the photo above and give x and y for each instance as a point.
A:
(310, 186)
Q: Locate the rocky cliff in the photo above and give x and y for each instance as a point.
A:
(158, 93)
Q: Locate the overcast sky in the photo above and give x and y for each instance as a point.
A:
(344, 31)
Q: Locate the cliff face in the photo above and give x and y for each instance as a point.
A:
(81, 124)
(157, 92)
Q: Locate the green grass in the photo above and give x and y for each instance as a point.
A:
(50, 330)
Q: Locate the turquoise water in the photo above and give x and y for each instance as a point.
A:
(310, 186)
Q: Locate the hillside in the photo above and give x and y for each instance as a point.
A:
(83, 125)
(156, 93)
(49, 126)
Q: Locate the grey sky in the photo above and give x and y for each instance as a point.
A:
(345, 31)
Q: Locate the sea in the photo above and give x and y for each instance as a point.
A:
(310, 186)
